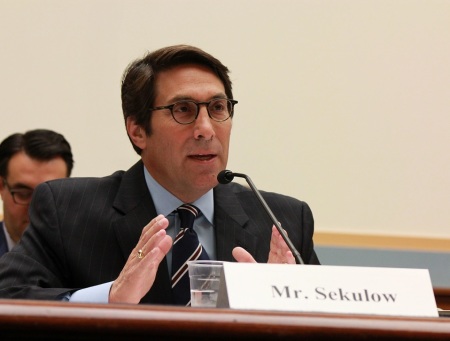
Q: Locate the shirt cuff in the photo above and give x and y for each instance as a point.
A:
(95, 294)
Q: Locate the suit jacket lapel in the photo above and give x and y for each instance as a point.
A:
(230, 222)
(136, 206)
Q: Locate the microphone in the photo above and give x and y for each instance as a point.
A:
(226, 176)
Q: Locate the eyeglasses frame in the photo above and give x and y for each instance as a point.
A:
(13, 191)
(170, 107)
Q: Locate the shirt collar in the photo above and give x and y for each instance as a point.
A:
(165, 203)
(9, 240)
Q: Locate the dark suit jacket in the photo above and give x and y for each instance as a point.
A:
(3, 243)
(82, 231)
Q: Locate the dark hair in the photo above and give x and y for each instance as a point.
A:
(138, 81)
(39, 144)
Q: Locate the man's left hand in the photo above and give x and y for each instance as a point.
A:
(279, 251)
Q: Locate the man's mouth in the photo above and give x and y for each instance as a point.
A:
(203, 157)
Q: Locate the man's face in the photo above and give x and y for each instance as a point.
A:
(25, 173)
(185, 159)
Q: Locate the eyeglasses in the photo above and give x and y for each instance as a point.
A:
(186, 112)
(21, 196)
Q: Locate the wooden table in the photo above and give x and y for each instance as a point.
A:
(43, 320)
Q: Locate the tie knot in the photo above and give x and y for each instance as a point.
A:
(187, 213)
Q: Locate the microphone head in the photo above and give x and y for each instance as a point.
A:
(225, 177)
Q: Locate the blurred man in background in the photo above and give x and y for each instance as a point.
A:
(26, 160)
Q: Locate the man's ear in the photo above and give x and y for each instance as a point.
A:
(2, 187)
(136, 133)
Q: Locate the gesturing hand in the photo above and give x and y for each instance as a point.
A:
(279, 251)
(139, 272)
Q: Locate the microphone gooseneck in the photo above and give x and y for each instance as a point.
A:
(226, 176)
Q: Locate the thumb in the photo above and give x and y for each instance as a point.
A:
(242, 255)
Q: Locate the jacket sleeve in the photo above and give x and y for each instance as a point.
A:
(33, 268)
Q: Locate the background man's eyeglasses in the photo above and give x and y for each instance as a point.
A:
(186, 112)
(21, 196)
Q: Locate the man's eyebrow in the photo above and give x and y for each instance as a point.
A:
(181, 98)
(19, 186)
(190, 98)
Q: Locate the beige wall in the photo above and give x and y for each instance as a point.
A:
(344, 104)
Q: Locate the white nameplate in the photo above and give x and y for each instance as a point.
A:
(330, 289)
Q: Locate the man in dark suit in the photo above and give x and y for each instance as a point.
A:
(110, 239)
(26, 160)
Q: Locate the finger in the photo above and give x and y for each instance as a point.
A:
(150, 261)
(156, 224)
(158, 245)
(275, 239)
(139, 272)
(242, 255)
(289, 257)
(279, 250)
(277, 243)
(153, 251)
(153, 227)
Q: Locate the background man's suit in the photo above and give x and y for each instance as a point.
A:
(3, 242)
(83, 230)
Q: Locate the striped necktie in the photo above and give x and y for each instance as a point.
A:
(186, 247)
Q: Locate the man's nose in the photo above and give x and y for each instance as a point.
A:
(203, 125)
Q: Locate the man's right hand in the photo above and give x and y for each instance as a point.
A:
(138, 274)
